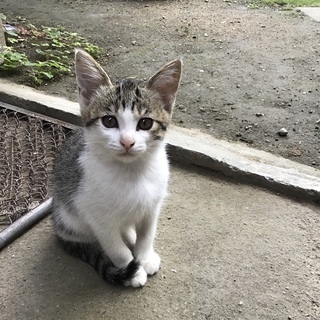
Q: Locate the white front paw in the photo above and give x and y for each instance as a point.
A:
(139, 279)
(151, 264)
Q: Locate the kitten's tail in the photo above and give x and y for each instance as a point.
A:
(91, 253)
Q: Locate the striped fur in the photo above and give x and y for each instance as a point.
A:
(129, 94)
(93, 254)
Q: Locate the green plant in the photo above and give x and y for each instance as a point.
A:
(51, 48)
(12, 37)
(11, 60)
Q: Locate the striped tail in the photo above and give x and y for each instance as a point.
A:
(92, 254)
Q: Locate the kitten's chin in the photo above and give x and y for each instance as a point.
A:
(128, 157)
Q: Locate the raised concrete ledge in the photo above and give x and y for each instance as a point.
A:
(245, 164)
(234, 160)
(36, 101)
(313, 12)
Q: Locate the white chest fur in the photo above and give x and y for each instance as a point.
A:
(122, 192)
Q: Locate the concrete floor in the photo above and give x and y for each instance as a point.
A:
(229, 251)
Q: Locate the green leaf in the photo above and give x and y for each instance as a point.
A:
(48, 75)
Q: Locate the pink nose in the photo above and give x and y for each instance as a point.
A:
(127, 143)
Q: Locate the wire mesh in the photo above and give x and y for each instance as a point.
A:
(28, 147)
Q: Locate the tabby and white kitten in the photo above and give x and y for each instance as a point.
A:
(111, 177)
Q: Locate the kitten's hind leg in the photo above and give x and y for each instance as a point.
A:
(93, 254)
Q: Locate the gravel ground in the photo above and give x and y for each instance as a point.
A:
(247, 73)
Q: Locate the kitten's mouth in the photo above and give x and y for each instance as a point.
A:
(127, 157)
(127, 154)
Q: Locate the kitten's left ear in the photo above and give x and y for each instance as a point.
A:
(90, 76)
(166, 82)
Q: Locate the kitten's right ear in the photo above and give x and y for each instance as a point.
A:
(90, 76)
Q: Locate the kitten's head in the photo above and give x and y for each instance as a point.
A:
(129, 118)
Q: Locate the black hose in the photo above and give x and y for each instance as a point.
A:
(22, 224)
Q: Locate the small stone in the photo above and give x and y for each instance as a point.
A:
(295, 153)
(134, 43)
(260, 114)
(248, 127)
(241, 303)
(283, 132)
(103, 311)
(208, 125)
(318, 122)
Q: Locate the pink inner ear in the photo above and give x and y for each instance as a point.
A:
(83, 97)
(167, 99)
(166, 82)
(90, 76)
(167, 92)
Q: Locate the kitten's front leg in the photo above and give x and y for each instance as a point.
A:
(143, 250)
(121, 256)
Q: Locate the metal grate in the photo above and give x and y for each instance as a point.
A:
(28, 146)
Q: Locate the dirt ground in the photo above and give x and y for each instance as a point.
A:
(247, 73)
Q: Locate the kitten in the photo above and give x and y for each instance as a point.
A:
(111, 177)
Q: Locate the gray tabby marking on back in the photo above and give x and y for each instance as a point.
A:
(67, 172)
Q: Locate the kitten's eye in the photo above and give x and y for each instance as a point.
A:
(109, 122)
(145, 124)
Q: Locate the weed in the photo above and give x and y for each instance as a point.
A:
(12, 60)
(50, 52)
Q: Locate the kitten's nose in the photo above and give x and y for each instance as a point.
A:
(127, 143)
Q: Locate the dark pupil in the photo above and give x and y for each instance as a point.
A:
(110, 122)
(145, 124)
